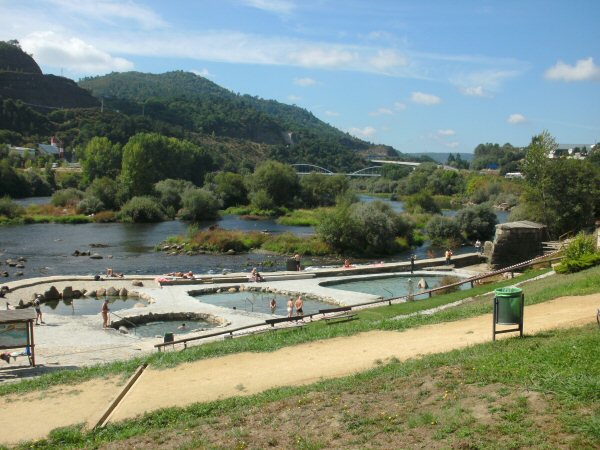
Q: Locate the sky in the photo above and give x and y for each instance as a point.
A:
(419, 75)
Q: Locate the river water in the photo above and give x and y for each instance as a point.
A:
(129, 248)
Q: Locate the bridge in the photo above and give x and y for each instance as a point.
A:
(305, 169)
(373, 171)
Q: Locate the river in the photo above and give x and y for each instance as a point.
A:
(129, 248)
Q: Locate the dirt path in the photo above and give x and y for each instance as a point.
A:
(250, 373)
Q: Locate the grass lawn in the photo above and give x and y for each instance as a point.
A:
(542, 391)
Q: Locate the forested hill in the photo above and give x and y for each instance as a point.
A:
(185, 99)
(239, 131)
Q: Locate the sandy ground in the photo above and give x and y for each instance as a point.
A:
(33, 415)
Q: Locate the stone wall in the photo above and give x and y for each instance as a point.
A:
(516, 242)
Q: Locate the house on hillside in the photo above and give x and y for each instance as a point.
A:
(55, 148)
(575, 151)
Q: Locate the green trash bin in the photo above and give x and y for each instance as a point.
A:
(510, 305)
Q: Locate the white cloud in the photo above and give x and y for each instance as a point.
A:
(399, 106)
(362, 132)
(453, 144)
(516, 119)
(323, 57)
(131, 29)
(583, 70)
(387, 59)
(203, 73)
(425, 99)
(475, 91)
(108, 11)
(446, 132)
(274, 6)
(304, 81)
(483, 83)
(332, 113)
(72, 54)
(381, 112)
(294, 98)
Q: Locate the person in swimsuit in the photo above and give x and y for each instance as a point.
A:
(105, 311)
(290, 307)
(299, 304)
(38, 310)
(273, 305)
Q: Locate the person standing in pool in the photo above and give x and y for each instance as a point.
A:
(273, 305)
(297, 261)
(38, 310)
(105, 311)
(290, 307)
(299, 305)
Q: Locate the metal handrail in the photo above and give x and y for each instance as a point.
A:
(531, 262)
(126, 320)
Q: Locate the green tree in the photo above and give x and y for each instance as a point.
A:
(141, 210)
(170, 192)
(230, 188)
(106, 190)
(444, 231)
(422, 202)
(477, 222)
(561, 193)
(322, 190)
(149, 158)
(366, 229)
(100, 158)
(278, 180)
(199, 204)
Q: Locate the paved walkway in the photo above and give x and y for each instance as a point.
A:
(79, 340)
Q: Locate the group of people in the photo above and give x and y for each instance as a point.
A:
(187, 275)
(297, 304)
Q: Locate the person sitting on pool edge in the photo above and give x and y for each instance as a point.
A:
(255, 276)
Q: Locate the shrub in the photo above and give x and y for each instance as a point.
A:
(446, 281)
(199, 204)
(170, 193)
(576, 265)
(67, 197)
(477, 222)
(106, 190)
(105, 217)
(9, 209)
(581, 254)
(219, 240)
(583, 244)
(90, 205)
(363, 228)
(141, 209)
(261, 200)
(444, 231)
(421, 203)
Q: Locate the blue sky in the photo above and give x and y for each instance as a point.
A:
(422, 76)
